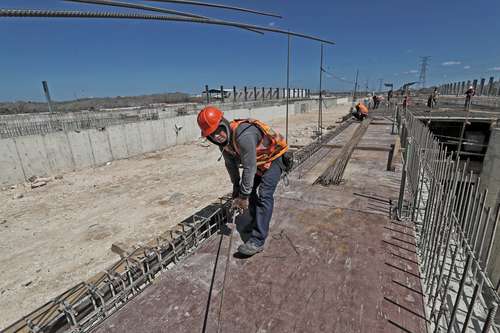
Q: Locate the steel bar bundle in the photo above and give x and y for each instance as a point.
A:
(306, 152)
(333, 174)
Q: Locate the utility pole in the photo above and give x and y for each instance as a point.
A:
(355, 88)
(424, 62)
(47, 94)
(320, 115)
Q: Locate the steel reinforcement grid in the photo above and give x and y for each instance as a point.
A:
(455, 230)
(84, 306)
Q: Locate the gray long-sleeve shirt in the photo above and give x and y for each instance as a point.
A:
(248, 137)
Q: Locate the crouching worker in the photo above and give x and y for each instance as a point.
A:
(257, 149)
(360, 111)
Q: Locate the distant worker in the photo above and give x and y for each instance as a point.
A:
(405, 102)
(258, 150)
(360, 111)
(367, 101)
(376, 101)
(468, 96)
(433, 99)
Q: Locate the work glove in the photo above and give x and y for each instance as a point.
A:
(240, 204)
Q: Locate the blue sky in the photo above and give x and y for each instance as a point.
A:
(384, 39)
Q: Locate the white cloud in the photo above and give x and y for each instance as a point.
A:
(467, 67)
(451, 63)
(272, 24)
(413, 71)
(495, 68)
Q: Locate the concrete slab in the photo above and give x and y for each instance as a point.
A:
(81, 149)
(147, 137)
(33, 155)
(118, 141)
(158, 132)
(133, 139)
(101, 148)
(59, 154)
(169, 128)
(11, 170)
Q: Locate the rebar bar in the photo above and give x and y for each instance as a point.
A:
(333, 174)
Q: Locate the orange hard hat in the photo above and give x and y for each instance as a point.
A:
(209, 119)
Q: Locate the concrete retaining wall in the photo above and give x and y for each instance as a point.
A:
(49, 154)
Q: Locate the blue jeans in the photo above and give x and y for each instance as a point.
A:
(261, 202)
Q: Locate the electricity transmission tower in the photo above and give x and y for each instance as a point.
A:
(424, 62)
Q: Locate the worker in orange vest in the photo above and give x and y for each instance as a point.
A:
(360, 111)
(257, 149)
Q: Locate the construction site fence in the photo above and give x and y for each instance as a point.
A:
(245, 94)
(455, 230)
(12, 126)
(481, 87)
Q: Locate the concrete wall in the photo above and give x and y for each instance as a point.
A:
(53, 153)
(490, 179)
(43, 155)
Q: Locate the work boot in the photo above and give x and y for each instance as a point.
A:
(250, 248)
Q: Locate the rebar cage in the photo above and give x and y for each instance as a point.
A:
(455, 229)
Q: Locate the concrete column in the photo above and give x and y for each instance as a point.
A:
(246, 93)
(234, 93)
(255, 93)
(462, 91)
(468, 85)
(490, 177)
(474, 84)
(481, 86)
(454, 89)
(490, 86)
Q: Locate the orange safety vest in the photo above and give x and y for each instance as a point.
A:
(266, 153)
(362, 108)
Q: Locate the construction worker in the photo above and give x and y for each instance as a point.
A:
(256, 148)
(433, 98)
(376, 102)
(389, 95)
(360, 111)
(468, 96)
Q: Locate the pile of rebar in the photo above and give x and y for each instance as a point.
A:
(306, 152)
(334, 173)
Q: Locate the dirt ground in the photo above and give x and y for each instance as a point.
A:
(57, 235)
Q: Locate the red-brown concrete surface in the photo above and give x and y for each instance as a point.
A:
(334, 262)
